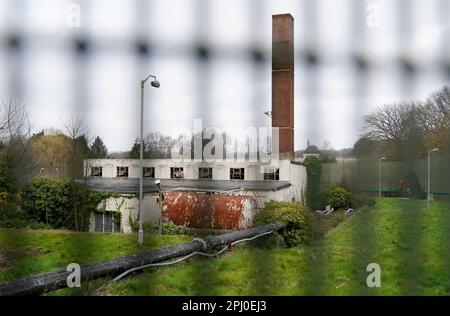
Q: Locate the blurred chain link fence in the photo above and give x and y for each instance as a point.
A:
(87, 57)
(398, 178)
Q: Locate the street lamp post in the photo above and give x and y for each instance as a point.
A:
(429, 175)
(379, 175)
(154, 84)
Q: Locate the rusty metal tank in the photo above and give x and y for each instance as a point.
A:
(206, 210)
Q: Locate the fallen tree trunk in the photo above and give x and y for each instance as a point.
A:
(46, 282)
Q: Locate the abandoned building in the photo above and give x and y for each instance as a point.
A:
(223, 195)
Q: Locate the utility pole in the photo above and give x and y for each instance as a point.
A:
(154, 84)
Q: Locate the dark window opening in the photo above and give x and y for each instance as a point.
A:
(205, 173)
(237, 173)
(149, 172)
(122, 172)
(272, 174)
(176, 173)
(96, 171)
(105, 223)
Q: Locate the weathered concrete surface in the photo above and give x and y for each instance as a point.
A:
(52, 281)
(200, 210)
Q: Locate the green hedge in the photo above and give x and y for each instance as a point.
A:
(59, 203)
(299, 221)
(337, 197)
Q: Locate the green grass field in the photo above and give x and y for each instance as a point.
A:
(409, 241)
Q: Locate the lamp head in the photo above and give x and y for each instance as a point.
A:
(155, 83)
(434, 149)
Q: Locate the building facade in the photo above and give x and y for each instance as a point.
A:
(221, 194)
(281, 180)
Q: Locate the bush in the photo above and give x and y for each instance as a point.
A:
(168, 228)
(299, 221)
(58, 203)
(337, 197)
(8, 187)
(12, 219)
(7, 181)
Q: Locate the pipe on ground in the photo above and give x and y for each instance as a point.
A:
(51, 281)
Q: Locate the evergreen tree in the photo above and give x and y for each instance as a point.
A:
(135, 150)
(98, 149)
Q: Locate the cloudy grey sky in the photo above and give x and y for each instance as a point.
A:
(367, 53)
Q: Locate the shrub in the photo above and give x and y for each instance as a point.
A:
(10, 218)
(5, 201)
(337, 197)
(58, 203)
(168, 228)
(8, 187)
(299, 222)
(7, 180)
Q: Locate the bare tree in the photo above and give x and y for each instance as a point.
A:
(397, 127)
(14, 123)
(388, 123)
(435, 111)
(15, 130)
(74, 127)
(158, 146)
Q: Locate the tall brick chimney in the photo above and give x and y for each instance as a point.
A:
(283, 83)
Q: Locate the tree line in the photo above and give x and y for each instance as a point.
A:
(54, 154)
(406, 131)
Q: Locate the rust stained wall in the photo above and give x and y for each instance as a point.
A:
(200, 210)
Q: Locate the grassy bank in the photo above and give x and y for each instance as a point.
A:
(24, 251)
(410, 242)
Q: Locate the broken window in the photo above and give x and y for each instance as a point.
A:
(149, 172)
(272, 174)
(205, 173)
(122, 172)
(237, 173)
(176, 173)
(105, 222)
(96, 171)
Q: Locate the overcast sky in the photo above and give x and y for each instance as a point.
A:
(231, 87)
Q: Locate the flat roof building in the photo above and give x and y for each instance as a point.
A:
(222, 194)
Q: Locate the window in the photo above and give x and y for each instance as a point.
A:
(149, 172)
(96, 171)
(205, 173)
(272, 174)
(176, 173)
(105, 222)
(237, 173)
(122, 172)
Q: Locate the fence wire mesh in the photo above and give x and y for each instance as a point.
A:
(85, 58)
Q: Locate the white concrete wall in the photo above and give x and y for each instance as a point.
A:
(128, 207)
(221, 170)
